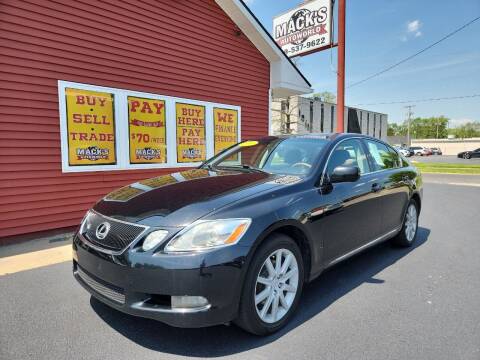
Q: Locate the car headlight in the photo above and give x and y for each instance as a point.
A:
(207, 234)
(153, 239)
(84, 222)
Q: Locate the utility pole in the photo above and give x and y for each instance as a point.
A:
(409, 118)
(341, 66)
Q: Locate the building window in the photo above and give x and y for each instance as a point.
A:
(374, 123)
(332, 114)
(311, 116)
(147, 144)
(117, 129)
(322, 116)
(368, 123)
(380, 127)
(90, 121)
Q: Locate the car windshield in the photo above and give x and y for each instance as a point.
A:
(286, 156)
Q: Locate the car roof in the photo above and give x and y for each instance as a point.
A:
(322, 136)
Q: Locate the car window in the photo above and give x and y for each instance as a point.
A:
(285, 156)
(348, 153)
(383, 157)
(396, 156)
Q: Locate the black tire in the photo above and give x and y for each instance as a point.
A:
(468, 156)
(248, 318)
(401, 238)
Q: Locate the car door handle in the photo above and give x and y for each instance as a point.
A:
(376, 187)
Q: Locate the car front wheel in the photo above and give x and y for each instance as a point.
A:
(467, 156)
(272, 287)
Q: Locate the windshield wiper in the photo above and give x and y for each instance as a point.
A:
(208, 167)
(246, 167)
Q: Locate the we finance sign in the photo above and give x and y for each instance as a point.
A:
(305, 29)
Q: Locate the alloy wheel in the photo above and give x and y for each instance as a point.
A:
(411, 222)
(276, 285)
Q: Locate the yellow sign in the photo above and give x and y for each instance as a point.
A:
(91, 127)
(225, 127)
(248, 143)
(146, 127)
(190, 133)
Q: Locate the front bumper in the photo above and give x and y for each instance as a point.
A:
(142, 284)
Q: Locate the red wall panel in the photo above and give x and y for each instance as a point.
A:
(184, 48)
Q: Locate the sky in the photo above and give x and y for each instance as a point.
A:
(380, 33)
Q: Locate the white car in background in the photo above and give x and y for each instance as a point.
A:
(419, 150)
(402, 151)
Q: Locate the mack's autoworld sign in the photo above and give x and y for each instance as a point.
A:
(305, 28)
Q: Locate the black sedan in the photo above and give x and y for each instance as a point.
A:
(236, 239)
(469, 154)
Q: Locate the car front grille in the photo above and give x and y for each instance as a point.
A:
(119, 235)
(109, 291)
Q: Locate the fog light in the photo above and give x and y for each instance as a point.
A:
(188, 302)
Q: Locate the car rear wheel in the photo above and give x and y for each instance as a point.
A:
(272, 286)
(407, 235)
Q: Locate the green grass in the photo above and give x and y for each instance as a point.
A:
(446, 168)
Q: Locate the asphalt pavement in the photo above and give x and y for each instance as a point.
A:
(452, 179)
(387, 303)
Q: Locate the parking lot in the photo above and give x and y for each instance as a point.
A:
(387, 303)
(451, 159)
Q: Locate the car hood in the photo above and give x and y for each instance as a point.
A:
(179, 198)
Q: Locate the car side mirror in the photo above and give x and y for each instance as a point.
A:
(345, 174)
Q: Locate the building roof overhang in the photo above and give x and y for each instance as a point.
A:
(285, 78)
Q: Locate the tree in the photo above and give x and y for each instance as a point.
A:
(428, 128)
(396, 130)
(282, 114)
(468, 130)
(325, 96)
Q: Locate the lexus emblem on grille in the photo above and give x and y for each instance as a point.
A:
(102, 230)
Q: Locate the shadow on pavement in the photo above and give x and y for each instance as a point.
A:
(222, 340)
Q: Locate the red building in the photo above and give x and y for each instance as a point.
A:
(210, 55)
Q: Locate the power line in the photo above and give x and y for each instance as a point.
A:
(416, 54)
(420, 100)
